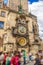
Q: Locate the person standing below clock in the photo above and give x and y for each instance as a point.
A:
(8, 58)
(24, 57)
(14, 59)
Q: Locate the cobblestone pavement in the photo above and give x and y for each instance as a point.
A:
(29, 63)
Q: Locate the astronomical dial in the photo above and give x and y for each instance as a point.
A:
(22, 41)
(22, 29)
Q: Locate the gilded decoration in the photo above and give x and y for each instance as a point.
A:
(22, 41)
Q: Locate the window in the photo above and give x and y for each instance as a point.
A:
(33, 28)
(3, 13)
(0, 4)
(36, 40)
(1, 24)
(4, 48)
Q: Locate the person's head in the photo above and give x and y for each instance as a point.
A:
(15, 53)
(37, 56)
(40, 51)
(42, 57)
(0, 53)
(8, 54)
(18, 52)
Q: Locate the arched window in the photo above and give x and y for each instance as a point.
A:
(3, 13)
(1, 24)
(33, 29)
(5, 2)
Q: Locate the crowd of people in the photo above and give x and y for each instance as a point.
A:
(14, 58)
(39, 58)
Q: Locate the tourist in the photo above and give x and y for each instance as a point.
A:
(42, 52)
(8, 59)
(19, 55)
(42, 60)
(4, 60)
(37, 60)
(14, 59)
(30, 56)
(1, 58)
(24, 56)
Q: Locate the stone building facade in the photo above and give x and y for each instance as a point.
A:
(18, 30)
(18, 3)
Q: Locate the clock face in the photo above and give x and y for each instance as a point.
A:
(22, 41)
(22, 29)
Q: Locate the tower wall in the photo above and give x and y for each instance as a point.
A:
(24, 4)
(13, 4)
(1, 3)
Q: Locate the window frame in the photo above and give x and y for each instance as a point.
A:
(2, 23)
(0, 4)
(2, 13)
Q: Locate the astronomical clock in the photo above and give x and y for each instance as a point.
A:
(21, 32)
(22, 41)
(21, 29)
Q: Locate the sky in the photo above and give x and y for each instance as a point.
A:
(5, 1)
(32, 1)
(36, 8)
